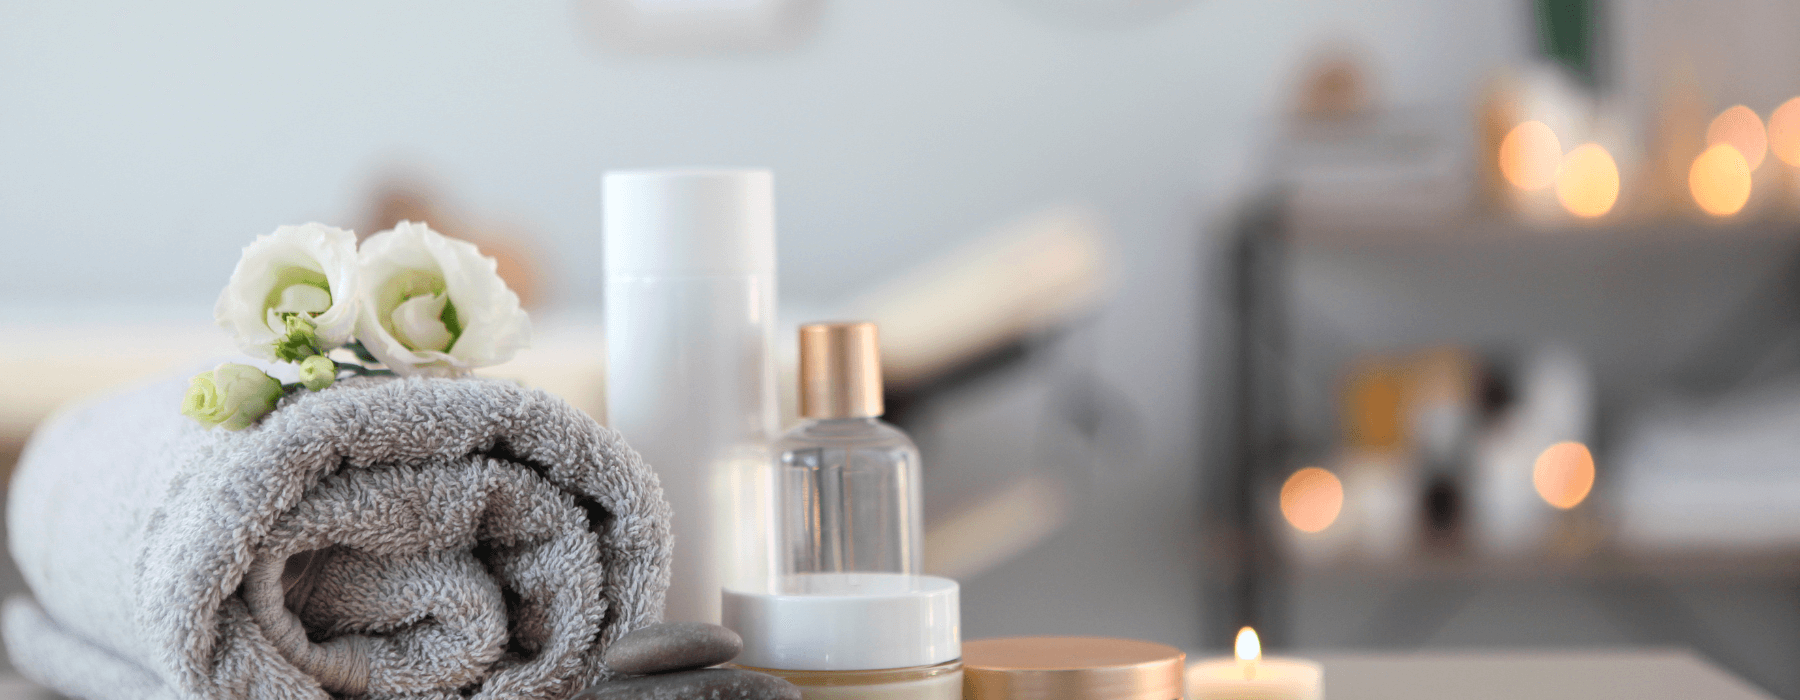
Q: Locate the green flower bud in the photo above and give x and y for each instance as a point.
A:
(231, 396)
(317, 372)
(301, 340)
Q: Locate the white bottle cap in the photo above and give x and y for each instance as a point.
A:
(689, 222)
(848, 622)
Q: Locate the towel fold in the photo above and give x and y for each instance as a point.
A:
(385, 538)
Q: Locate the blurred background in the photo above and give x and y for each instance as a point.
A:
(1378, 325)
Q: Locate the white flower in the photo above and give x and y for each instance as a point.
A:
(434, 305)
(307, 269)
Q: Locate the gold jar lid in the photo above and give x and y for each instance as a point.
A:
(1071, 668)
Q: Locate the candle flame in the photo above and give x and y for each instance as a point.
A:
(1248, 647)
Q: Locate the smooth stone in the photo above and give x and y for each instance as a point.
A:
(704, 684)
(672, 646)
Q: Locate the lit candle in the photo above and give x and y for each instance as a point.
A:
(1252, 677)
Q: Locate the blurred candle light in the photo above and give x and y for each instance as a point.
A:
(1740, 127)
(1784, 132)
(1311, 499)
(1588, 185)
(1529, 156)
(1720, 180)
(1564, 474)
(1249, 676)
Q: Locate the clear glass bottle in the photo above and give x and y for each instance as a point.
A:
(847, 483)
(848, 615)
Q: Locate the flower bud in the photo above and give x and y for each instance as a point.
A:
(317, 372)
(231, 396)
(301, 340)
(307, 270)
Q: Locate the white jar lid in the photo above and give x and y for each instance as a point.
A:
(689, 222)
(848, 622)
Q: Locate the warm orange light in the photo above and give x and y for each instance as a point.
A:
(1311, 499)
(1249, 648)
(1784, 132)
(1529, 156)
(1564, 474)
(1588, 185)
(1720, 180)
(1740, 127)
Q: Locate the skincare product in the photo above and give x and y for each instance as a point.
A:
(862, 636)
(690, 319)
(847, 484)
(848, 616)
(1071, 668)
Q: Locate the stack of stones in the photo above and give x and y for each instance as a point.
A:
(672, 660)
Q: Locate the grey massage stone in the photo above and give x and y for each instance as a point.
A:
(672, 646)
(704, 684)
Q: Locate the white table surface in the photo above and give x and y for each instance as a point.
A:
(1537, 675)
(1532, 675)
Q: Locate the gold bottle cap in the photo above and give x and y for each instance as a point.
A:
(1071, 668)
(840, 370)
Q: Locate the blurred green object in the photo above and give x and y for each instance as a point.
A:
(1566, 34)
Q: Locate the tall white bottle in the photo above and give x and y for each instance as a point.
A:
(690, 328)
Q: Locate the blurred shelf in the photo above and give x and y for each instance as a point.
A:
(1322, 232)
(1600, 565)
(1652, 305)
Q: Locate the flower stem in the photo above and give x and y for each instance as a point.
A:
(362, 353)
(362, 371)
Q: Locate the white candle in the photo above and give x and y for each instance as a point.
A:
(1252, 677)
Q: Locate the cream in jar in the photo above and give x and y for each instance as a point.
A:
(875, 636)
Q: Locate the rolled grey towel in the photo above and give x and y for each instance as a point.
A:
(386, 538)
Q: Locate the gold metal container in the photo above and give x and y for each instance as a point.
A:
(1071, 668)
(939, 682)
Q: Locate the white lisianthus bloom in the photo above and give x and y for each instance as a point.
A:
(308, 269)
(435, 306)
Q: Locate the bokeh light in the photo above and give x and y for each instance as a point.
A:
(1564, 474)
(1784, 132)
(1720, 180)
(1740, 127)
(1529, 156)
(1588, 185)
(1311, 499)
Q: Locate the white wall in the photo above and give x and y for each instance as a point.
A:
(141, 144)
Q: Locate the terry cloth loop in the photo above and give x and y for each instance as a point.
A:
(340, 665)
(446, 538)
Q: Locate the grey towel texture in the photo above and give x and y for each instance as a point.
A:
(384, 538)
